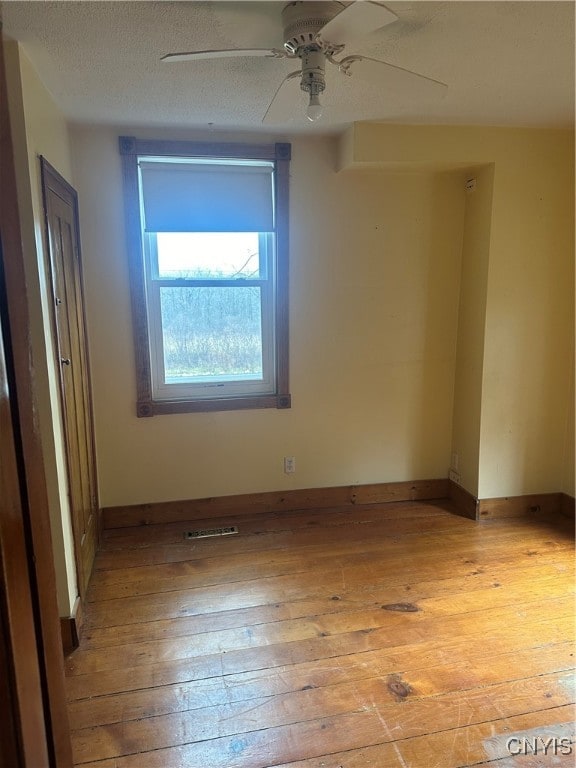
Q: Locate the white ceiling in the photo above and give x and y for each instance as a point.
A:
(506, 63)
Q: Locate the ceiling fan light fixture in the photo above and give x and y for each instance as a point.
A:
(314, 108)
(312, 80)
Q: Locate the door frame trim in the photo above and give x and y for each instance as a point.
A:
(51, 179)
(31, 525)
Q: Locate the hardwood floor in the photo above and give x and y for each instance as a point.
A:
(392, 636)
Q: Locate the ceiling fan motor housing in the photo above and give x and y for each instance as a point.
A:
(303, 20)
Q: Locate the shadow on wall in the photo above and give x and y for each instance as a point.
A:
(441, 253)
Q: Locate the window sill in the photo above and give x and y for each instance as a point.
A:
(165, 407)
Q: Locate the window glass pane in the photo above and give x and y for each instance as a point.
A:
(209, 255)
(211, 334)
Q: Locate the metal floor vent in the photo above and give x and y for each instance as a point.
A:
(208, 532)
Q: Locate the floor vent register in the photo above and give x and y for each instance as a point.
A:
(205, 533)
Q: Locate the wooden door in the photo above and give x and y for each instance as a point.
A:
(34, 729)
(61, 211)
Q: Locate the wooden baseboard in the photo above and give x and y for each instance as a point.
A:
(274, 501)
(567, 506)
(71, 628)
(465, 503)
(520, 506)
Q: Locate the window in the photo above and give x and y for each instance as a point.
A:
(207, 234)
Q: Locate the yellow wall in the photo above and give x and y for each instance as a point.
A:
(39, 128)
(526, 428)
(471, 325)
(529, 317)
(375, 270)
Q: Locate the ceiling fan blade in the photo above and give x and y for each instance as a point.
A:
(356, 20)
(285, 104)
(391, 77)
(273, 53)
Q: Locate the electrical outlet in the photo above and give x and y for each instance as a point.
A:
(289, 464)
(455, 460)
(454, 476)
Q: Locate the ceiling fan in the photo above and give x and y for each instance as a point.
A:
(316, 34)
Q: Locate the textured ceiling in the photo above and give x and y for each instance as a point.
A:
(506, 63)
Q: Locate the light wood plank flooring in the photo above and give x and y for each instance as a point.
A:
(390, 636)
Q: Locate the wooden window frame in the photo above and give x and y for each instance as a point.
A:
(131, 149)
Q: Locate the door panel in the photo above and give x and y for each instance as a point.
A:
(60, 204)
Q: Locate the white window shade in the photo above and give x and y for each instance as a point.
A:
(204, 197)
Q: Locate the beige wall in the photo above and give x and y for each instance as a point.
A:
(526, 428)
(375, 269)
(529, 317)
(471, 327)
(40, 129)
